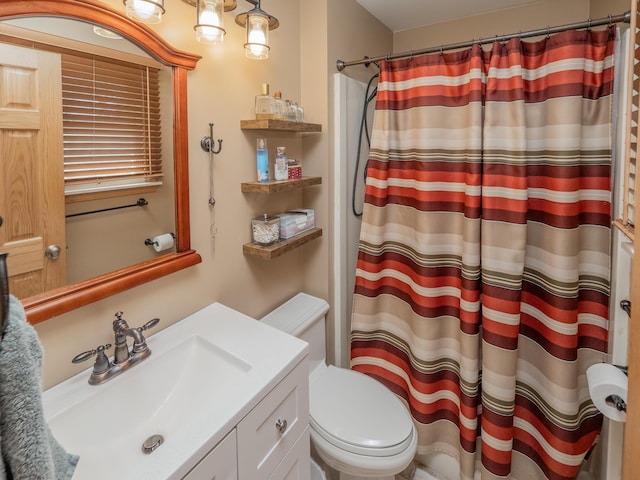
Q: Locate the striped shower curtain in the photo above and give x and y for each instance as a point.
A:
(482, 281)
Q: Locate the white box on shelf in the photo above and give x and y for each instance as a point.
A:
(296, 221)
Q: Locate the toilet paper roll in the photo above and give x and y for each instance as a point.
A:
(605, 382)
(163, 242)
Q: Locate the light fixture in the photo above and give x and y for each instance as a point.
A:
(258, 23)
(210, 26)
(145, 11)
(209, 22)
(106, 33)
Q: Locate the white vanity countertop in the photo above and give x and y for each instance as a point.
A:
(252, 358)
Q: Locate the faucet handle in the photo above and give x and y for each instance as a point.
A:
(150, 324)
(84, 356)
(102, 363)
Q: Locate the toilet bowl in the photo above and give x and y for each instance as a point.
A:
(358, 426)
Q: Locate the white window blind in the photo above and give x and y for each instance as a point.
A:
(111, 125)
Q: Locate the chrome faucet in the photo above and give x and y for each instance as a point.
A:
(123, 358)
(121, 331)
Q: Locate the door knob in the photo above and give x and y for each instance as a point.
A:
(53, 252)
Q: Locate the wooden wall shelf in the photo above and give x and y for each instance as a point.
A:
(280, 125)
(275, 186)
(281, 247)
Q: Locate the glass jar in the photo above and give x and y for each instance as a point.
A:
(265, 230)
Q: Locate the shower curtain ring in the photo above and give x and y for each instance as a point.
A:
(441, 49)
(548, 32)
(589, 25)
(610, 21)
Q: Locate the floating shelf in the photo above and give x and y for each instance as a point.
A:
(280, 125)
(281, 247)
(275, 186)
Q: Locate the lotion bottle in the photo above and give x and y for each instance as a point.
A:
(262, 159)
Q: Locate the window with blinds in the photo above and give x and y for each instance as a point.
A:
(111, 125)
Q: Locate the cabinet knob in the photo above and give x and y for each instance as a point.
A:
(281, 425)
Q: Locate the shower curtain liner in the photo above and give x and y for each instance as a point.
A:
(482, 281)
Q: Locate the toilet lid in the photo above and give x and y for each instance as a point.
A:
(359, 414)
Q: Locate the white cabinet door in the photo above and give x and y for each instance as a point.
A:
(272, 428)
(296, 464)
(219, 464)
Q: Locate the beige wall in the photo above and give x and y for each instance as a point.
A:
(502, 22)
(602, 8)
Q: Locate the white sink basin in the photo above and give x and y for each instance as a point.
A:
(204, 374)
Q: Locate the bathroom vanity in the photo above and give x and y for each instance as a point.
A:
(221, 396)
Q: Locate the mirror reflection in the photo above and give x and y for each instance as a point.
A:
(86, 166)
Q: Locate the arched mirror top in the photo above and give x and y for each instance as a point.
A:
(64, 299)
(101, 14)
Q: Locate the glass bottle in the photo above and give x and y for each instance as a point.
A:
(263, 103)
(299, 113)
(278, 107)
(291, 111)
(281, 170)
(262, 159)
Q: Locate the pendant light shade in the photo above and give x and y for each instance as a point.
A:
(145, 11)
(257, 23)
(210, 24)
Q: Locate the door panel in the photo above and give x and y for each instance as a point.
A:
(31, 162)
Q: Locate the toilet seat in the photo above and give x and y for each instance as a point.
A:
(358, 414)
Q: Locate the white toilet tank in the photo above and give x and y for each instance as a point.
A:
(303, 316)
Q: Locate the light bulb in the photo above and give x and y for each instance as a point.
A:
(147, 11)
(210, 24)
(143, 9)
(257, 37)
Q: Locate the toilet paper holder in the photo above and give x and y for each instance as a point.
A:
(150, 242)
(616, 400)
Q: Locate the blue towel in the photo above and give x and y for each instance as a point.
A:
(29, 451)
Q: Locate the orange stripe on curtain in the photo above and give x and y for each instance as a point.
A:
(482, 281)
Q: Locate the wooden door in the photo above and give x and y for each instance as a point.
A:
(31, 165)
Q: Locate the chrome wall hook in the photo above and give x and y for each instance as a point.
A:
(207, 143)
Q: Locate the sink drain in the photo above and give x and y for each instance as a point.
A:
(151, 443)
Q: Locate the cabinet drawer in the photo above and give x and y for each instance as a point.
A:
(271, 429)
(219, 463)
(295, 465)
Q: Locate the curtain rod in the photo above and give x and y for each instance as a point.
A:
(610, 20)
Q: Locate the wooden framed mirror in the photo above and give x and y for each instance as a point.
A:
(59, 300)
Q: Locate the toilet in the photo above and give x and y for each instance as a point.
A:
(358, 426)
